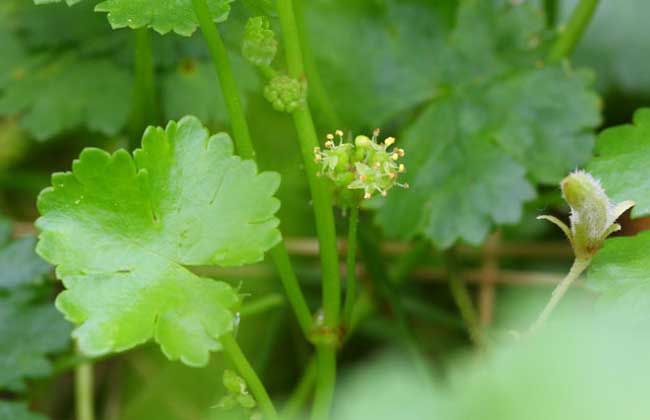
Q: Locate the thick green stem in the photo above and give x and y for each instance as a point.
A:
(145, 103)
(351, 266)
(463, 299)
(324, 216)
(83, 389)
(226, 79)
(246, 151)
(550, 9)
(317, 91)
(579, 265)
(237, 357)
(325, 382)
(572, 32)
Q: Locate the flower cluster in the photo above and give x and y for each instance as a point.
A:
(593, 215)
(366, 165)
(285, 93)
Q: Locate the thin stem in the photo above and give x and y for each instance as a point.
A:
(246, 150)
(572, 32)
(226, 79)
(324, 217)
(145, 103)
(261, 305)
(291, 286)
(579, 265)
(317, 90)
(83, 388)
(375, 264)
(298, 398)
(550, 9)
(237, 357)
(351, 266)
(463, 299)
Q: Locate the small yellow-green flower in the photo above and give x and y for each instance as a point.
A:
(362, 168)
(593, 215)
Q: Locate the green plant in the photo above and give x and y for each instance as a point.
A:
(152, 236)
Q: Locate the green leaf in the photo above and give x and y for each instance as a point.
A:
(31, 329)
(19, 264)
(11, 410)
(54, 96)
(620, 271)
(622, 162)
(459, 185)
(500, 119)
(161, 15)
(122, 230)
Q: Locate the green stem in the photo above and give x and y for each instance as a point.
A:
(83, 388)
(261, 305)
(292, 288)
(145, 104)
(572, 32)
(463, 299)
(579, 265)
(375, 264)
(325, 382)
(323, 214)
(246, 151)
(550, 9)
(317, 90)
(351, 264)
(237, 357)
(298, 398)
(226, 79)
(322, 201)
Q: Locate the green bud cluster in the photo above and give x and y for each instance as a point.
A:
(593, 215)
(259, 45)
(360, 169)
(286, 94)
(237, 395)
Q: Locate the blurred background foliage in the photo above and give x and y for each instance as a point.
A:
(410, 67)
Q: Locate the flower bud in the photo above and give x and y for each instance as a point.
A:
(285, 93)
(593, 215)
(259, 45)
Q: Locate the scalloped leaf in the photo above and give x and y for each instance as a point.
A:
(162, 16)
(622, 162)
(40, 95)
(499, 119)
(122, 230)
(31, 329)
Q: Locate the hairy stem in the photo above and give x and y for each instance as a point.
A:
(324, 216)
(246, 151)
(237, 357)
(145, 103)
(579, 265)
(572, 32)
(226, 79)
(463, 299)
(351, 266)
(83, 390)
